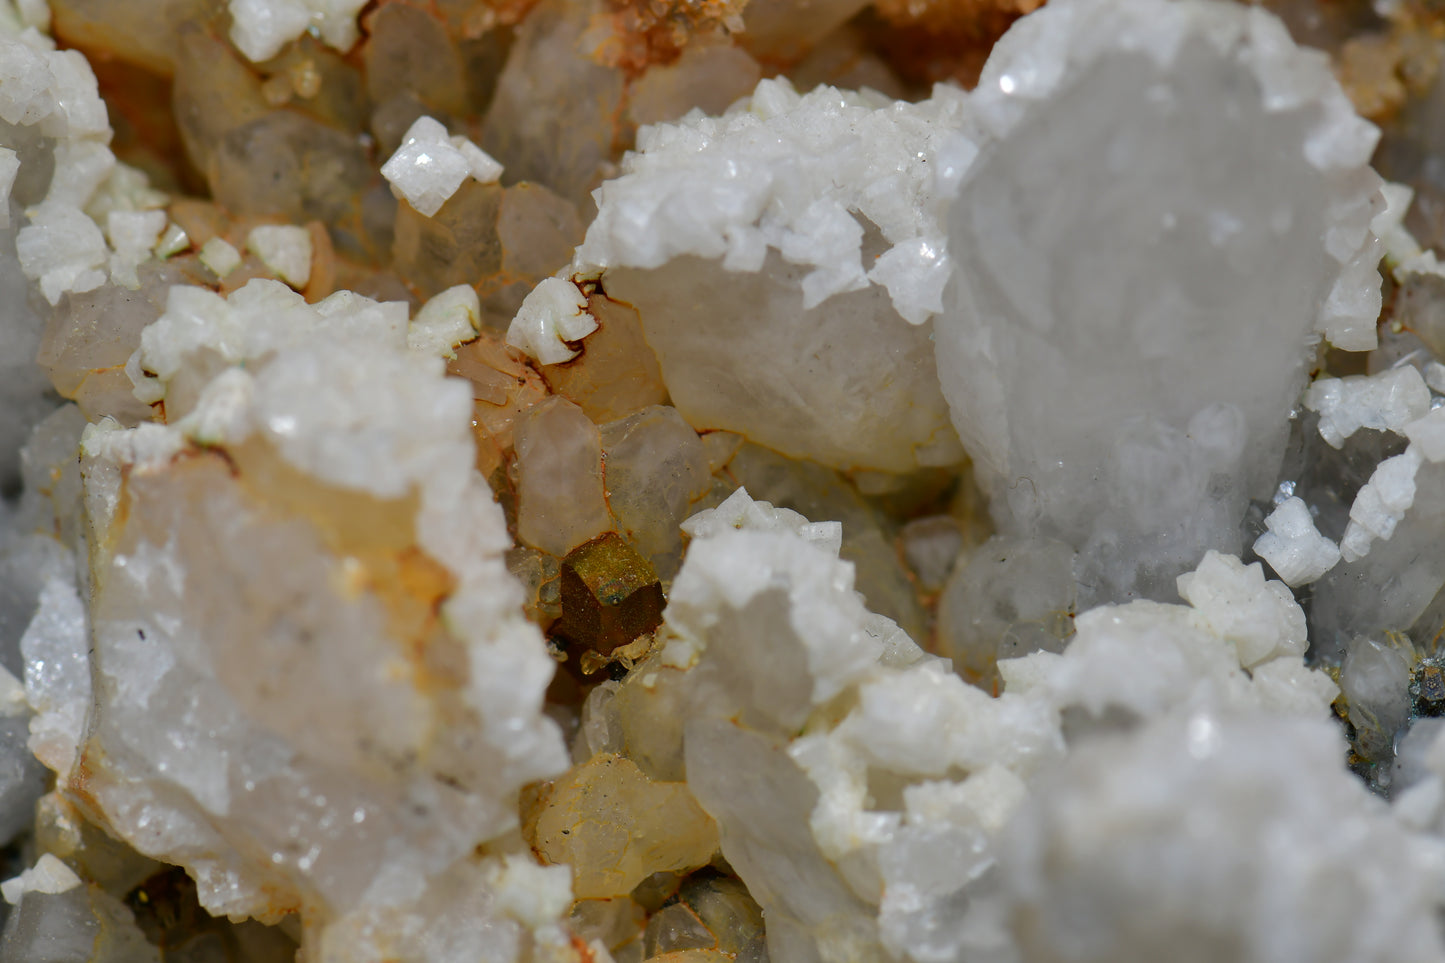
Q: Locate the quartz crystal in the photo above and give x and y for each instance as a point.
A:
(723, 481)
(1119, 354)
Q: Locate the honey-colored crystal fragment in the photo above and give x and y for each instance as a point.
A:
(610, 594)
(616, 827)
(616, 373)
(502, 388)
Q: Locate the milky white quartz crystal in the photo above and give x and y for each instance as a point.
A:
(785, 258)
(431, 164)
(1005, 598)
(1130, 327)
(376, 726)
(561, 500)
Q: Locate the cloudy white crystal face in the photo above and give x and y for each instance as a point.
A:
(1130, 327)
(1220, 859)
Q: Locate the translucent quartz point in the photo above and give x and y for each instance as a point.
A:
(1375, 679)
(656, 470)
(616, 827)
(1130, 324)
(1391, 587)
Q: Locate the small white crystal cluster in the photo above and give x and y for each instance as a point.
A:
(1395, 400)
(431, 164)
(97, 219)
(1387, 401)
(1293, 545)
(795, 174)
(261, 28)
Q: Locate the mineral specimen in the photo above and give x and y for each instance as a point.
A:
(592, 481)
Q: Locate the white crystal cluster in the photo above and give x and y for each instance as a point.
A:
(1293, 545)
(96, 218)
(794, 174)
(799, 707)
(1211, 862)
(1395, 400)
(268, 514)
(764, 249)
